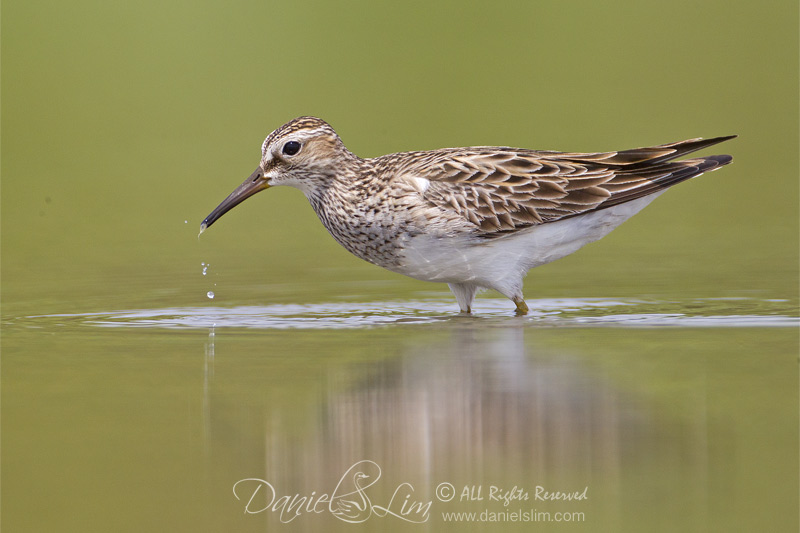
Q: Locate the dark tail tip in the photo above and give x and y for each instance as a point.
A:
(720, 159)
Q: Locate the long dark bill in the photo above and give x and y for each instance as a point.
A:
(251, 185)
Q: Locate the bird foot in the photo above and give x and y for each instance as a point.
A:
(522, 307)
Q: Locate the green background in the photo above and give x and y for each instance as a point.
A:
(121, 121)
(125, 123)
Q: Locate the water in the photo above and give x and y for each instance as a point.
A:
(597, 312)
(203, 414)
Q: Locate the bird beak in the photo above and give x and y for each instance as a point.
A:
(255, 183)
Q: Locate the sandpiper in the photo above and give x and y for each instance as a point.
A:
(474, 218)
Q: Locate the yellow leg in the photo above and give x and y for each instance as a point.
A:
(522, 307)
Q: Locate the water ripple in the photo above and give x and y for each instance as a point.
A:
(599, 312)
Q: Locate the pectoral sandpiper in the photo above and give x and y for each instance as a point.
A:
(477, 217)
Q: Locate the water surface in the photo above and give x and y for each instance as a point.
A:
(677, 414)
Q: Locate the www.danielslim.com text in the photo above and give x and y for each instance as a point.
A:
(530, 515)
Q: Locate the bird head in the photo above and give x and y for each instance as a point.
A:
(303, 153)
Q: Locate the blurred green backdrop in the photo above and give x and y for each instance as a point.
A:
(125, 123)
(121, 121)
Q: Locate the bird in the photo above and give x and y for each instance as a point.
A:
(475, 218)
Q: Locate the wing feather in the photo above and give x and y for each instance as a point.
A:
(502, 190)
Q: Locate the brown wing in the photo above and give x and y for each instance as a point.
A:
(502, 190)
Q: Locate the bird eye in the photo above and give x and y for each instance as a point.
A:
(291, 148)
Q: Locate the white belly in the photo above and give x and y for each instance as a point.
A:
(501, 263)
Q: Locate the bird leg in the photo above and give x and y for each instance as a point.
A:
(465, 295)
(522, 307)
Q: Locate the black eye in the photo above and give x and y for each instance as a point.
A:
(291, 148)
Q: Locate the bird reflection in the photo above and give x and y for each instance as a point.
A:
(478, 403)
(470, 405)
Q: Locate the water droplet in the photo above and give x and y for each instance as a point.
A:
(185, 221)
(205, 268)
(210, 294)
